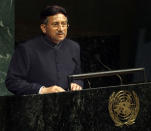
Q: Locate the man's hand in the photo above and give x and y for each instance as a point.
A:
(75, 87)
(52, 89)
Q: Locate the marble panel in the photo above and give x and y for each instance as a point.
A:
(85, 110)
(6, 40)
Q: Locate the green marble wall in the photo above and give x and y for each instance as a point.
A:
(6, 40)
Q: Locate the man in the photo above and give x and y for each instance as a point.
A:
(42, 64)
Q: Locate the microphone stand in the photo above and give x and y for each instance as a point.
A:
(108, 68)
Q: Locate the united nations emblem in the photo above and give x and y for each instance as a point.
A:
(123, 107)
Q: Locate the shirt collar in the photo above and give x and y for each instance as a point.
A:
(52, 44)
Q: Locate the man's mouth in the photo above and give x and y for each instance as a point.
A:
(60, 33)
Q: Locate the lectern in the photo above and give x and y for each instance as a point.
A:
(112, 108)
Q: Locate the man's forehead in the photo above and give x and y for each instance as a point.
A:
(58, 17)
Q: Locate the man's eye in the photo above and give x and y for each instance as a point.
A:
(55, 24)
(64, 23)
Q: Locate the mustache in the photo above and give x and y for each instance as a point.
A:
(60, 33)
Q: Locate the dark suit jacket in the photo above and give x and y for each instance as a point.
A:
(39, 62)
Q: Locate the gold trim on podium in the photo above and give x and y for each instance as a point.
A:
(123, 107)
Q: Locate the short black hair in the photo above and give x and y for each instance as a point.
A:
(50, 11)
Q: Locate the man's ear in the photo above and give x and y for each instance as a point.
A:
(43, 28)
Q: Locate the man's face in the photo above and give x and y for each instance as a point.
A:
(56, 27)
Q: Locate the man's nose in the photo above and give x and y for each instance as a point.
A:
(60, 27)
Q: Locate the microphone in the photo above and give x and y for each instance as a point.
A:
(89, 83)
(97, 56)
